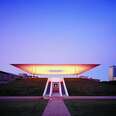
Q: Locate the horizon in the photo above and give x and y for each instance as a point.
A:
(58, 32)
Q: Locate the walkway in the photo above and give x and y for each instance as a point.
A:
(41, 97)
(7, 98)
(56, 107)
(91, 97)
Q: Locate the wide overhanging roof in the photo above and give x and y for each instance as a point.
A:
(37, 69)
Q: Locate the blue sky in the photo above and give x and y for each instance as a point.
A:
(58, 31)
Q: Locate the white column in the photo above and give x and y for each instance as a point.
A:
(60, 89)
(50, 89)
(65, 88)
(44, 93)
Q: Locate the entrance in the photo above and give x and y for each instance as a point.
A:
(55, 87)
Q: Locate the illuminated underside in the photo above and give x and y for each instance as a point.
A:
(55, 68)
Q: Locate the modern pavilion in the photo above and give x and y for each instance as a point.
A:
(55, 85)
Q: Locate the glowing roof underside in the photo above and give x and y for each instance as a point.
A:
(55, 68)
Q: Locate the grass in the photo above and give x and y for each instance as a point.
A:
(22, 108)
(91, 107)
(90, 87)
(24, 87)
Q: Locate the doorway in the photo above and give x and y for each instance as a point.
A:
(55, 89)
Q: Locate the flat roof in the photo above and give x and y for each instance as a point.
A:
(55, 68)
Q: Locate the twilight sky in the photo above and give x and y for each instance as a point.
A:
(58, 31)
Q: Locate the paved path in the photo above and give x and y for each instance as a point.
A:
(56, 107)
(91, 97)
(19, 98)
(40, 97)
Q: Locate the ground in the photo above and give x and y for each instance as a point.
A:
(22, 108)
(91, 107)
(35, 106)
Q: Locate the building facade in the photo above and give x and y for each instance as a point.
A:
(112, 73)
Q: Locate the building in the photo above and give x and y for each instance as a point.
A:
(112, 73)
(55, 85)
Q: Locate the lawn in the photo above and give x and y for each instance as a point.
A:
(90, 87)
(91, 107)
(22, 108)
(24, 87)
